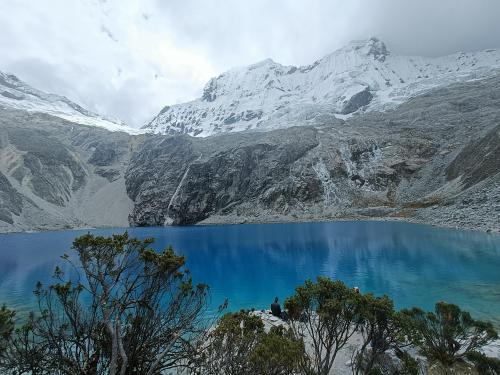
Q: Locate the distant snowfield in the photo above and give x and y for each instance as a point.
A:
(15, 93)
(362, 76)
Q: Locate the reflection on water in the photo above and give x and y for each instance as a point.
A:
(250, 264)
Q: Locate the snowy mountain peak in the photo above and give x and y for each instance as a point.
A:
(372, 47)
(266, 63)
(17, 94)
(361, 76)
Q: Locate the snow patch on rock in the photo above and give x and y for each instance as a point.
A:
(17, 94)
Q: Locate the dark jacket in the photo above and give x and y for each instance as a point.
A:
(276, 309)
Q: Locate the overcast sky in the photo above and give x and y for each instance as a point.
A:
(129, 58)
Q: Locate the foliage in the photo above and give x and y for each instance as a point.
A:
(229, 345)
(134, 311)
(485, 365)
(6, 329)
(329, 313)
(278, 352)
(239, 345)
(409, 365)
(25, 352)
(449, 334)
(381, 329)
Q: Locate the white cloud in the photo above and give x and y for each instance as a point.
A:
(109, 56)
(129, 58)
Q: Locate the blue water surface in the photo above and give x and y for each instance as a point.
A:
(416, 265)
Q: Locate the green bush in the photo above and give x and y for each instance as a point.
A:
(6, 327)
(449, 334)
(131, 311)
(230, 344)
(485, 365)
(240, 346)
(382, 329)
(330, 313)
(409, 365)
(278, 352)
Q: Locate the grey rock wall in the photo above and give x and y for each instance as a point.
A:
(55, 174)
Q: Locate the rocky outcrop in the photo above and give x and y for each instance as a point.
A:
(357, 101)
(153, 176)
(478, 161)
(257, 170)
(10, 201)
(43, 163)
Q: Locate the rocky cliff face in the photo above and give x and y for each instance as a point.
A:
(10, 201)
(153, 175)
(433, 159)
(300, 172)
(479, 160)
(56, 174)
(216, 175)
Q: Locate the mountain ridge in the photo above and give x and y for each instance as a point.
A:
(17, 94)
(361, 76)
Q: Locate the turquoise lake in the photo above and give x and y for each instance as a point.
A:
(416, 265)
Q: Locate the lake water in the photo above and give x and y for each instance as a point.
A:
(416, 265)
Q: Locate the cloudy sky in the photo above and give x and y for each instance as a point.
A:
(129, 58)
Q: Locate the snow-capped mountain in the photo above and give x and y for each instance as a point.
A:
(15, 93)
(362, 76)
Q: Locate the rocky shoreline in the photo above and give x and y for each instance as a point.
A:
(494, 228)
(489, 226)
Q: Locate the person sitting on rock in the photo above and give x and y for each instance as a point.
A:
(276, 308)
